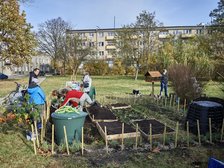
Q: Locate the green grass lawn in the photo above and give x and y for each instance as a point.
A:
(16, 151)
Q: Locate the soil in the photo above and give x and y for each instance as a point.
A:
(157, 127)
(116, 127)
(102, 113)
(119, 105)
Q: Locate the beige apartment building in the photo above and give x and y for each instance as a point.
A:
(102, 40)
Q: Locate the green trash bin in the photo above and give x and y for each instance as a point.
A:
(73, 123)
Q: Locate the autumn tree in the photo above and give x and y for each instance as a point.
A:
(17, 43)
(138, 42)
(51, 37)
(216, 38)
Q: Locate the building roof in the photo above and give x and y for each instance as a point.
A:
(153, 74)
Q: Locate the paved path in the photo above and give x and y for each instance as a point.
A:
(41, 79)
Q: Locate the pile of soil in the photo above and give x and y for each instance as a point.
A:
(116, 127)
(101, 113)
(157, 127)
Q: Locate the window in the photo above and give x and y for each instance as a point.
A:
(91, 44)
(101, 34)
(81, 34)
(101, 53)
(83, 43)
(91, 34)
(188, 31)
(199, 31)
(110, 33)
(101, 43)
(110, 43)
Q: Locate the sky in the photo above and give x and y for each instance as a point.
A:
(92, 14)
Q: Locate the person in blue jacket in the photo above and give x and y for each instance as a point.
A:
(37, 96)
(164, 83)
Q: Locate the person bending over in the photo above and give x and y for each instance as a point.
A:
(75, 98)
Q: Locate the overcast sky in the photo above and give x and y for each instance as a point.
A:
(90, 14)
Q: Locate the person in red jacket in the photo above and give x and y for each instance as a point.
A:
(75, 98)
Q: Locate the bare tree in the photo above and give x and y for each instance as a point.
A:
(52, 40)
(77, 50)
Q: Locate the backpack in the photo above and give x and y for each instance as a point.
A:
(85, 84)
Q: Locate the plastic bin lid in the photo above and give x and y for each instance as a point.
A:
(70, 115)
(208, 104)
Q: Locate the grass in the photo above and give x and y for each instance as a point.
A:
(16, 151)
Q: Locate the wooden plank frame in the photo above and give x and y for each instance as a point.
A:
(116, 136)
(121, 107)
(146, 136)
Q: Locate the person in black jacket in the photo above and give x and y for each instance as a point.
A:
(33, 79)
(164, 83)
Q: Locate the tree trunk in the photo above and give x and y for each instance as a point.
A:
(136, 74)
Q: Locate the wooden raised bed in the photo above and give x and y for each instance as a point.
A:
(157, 128)
(120, 106)
(100, 114)
(114, 130)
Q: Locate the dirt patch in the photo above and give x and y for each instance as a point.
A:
(102, 113)
(157, 127)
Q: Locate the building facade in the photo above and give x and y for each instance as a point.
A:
(41, 61)
(103, 40)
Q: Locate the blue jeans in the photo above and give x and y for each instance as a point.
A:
(163, 86)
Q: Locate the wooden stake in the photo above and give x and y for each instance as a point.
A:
(178, 104)
(48, 108)
(66, 140)
(164, 135)
(105, 129)
(199, 134)
(136, 140)
(188, 137)
(82, 141)
(185, 102)
(176, 137)
(52, 139)
(44, 128)
(122, 137)
(36, 132)
(210, 129)
(150, 135)
(42, 131)
(165, 101)
(222, 130)
(34, 141)
(171, 97)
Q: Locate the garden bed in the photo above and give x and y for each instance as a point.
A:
(157, 128)
(100, 114)
(114, 130)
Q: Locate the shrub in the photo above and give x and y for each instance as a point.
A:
(96, 67)
(184, 82)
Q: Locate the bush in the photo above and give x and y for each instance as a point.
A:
(118, 68)
(184, 82)
(96, 67)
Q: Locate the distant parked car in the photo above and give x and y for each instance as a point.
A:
(3, 76)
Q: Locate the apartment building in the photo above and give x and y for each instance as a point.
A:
(102, 40)
(40, 61)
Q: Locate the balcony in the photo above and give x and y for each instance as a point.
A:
(164, 36)
(109, 38)
(110, 47)
(187, 35)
